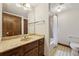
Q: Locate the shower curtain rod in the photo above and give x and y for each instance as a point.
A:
(37, 21)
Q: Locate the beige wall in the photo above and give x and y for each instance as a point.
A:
(41, 13)
(68, 24)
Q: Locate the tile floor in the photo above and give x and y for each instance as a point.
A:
(61, 50)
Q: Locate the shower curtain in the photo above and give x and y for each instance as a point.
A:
(53, 31)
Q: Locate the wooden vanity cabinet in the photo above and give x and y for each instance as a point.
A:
(35, 48)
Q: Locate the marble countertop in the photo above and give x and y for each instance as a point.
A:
(6, 45)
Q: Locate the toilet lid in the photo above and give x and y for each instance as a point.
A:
(74, 45)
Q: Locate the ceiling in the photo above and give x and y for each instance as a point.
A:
(12, 8)
(71, 5)
(66, 6)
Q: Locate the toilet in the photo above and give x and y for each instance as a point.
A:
(75, 48)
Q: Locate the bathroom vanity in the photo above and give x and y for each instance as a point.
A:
(31, 46)
(16, 40)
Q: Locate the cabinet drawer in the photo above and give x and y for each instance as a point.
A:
(33, 52)
(41, 41)
(30, 46)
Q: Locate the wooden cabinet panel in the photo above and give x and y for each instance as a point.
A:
(41, 47)
(11, 25)
(13, 52)
(33, 52)
(30, 46)
(41, 50)
(41, 41)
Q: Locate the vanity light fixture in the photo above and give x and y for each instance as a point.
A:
(60, 7)
(27, 5)
(18, 5)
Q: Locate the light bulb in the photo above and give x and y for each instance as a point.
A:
(27, 5)
(18, 5)
(58, 10)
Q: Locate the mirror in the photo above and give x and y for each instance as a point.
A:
(17, 19)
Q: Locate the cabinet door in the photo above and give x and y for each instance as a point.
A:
(29, 47)
(33, 52)
(41, 50)
(41, 47)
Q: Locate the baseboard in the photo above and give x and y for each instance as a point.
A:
(64, 45)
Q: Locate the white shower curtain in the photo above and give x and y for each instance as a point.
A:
(54, 37)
